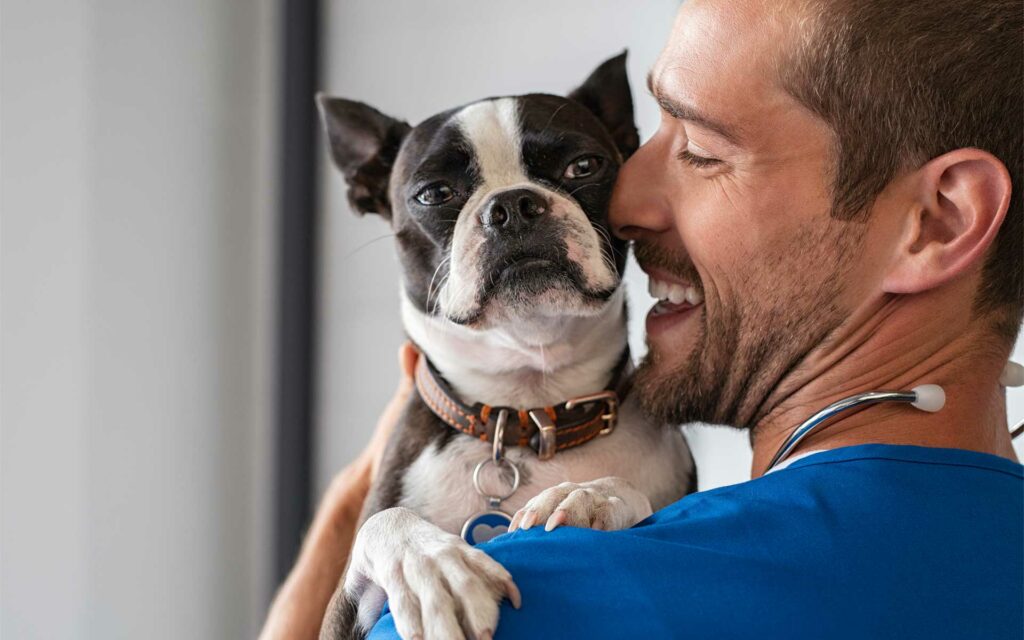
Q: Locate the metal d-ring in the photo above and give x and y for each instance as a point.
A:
(498, 444)
(498, 459)
(495, 500)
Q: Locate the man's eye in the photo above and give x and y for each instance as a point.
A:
(582, 167)
(694, 160)
(435, 194)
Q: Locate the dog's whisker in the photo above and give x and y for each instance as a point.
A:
(604, 248)
(430, 286)
(440, 291)
(552, 119)
(366, 244)
(582, 187)
(543, 366)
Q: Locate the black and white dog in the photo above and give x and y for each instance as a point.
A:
(511, 290)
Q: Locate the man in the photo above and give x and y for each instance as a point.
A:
(842, 180)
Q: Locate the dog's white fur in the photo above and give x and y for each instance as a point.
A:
(534, 362)
(561, 347)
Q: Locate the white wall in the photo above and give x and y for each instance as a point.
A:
(136, 164)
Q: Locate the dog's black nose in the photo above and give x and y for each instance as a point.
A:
(515, 209)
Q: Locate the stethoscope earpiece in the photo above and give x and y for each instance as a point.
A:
(1013, 375)
(930, 397)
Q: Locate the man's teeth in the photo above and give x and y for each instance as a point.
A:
(677, 294)
(657, 289)
(674, 293)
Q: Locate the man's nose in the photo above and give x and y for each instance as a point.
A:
(639, 205)
(513, 211)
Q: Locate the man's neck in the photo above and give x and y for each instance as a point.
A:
(898, 344)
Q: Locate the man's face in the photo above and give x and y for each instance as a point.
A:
(731, 197)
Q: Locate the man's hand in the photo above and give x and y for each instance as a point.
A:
(298, 609)
(606, 503)
(408, 356)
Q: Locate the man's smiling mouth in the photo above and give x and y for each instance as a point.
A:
(674, 282)
(676, 299)
(673, 296)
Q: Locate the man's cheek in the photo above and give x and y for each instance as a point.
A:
(722, 233)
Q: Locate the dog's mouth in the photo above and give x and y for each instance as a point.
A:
(522, 280)
(532, 273)
(544, 273)
(515, 269)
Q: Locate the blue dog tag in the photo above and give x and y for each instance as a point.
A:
(484, 526)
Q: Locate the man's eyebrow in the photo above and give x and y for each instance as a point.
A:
(683, 111)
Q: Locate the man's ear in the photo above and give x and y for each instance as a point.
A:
(606, 93)
(364, 144)
(960, 203)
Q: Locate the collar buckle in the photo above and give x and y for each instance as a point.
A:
(546, 445)
(611, 414)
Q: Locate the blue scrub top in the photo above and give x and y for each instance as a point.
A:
(871, 541)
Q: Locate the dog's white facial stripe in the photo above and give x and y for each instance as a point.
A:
(492, 128)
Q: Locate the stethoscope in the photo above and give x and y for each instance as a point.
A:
(927, 397)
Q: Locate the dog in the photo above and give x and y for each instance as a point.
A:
(511, 289)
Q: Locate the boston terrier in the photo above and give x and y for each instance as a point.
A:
(511, 289)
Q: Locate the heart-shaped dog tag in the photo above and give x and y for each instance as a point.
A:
(484, 526)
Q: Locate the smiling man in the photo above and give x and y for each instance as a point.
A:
(837, 180)
(835, 185)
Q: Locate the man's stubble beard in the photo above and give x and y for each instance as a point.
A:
(745, 349)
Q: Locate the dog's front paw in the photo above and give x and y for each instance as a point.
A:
(606, 503)
(438, 587)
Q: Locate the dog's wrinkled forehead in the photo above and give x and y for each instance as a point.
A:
(496, 143)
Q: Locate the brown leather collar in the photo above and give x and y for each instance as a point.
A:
(543, 429)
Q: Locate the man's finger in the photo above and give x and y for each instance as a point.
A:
(408, 355)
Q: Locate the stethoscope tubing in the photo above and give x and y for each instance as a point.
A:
(925, 397)
(820, 419)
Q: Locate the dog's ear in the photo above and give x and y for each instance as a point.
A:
(364, 144)
(606, 93)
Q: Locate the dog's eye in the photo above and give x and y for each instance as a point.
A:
(582, 167)
(434, 194)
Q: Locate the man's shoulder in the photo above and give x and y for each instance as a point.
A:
(841, 540)
(845, 533)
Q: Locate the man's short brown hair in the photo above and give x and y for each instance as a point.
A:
(903, 81)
